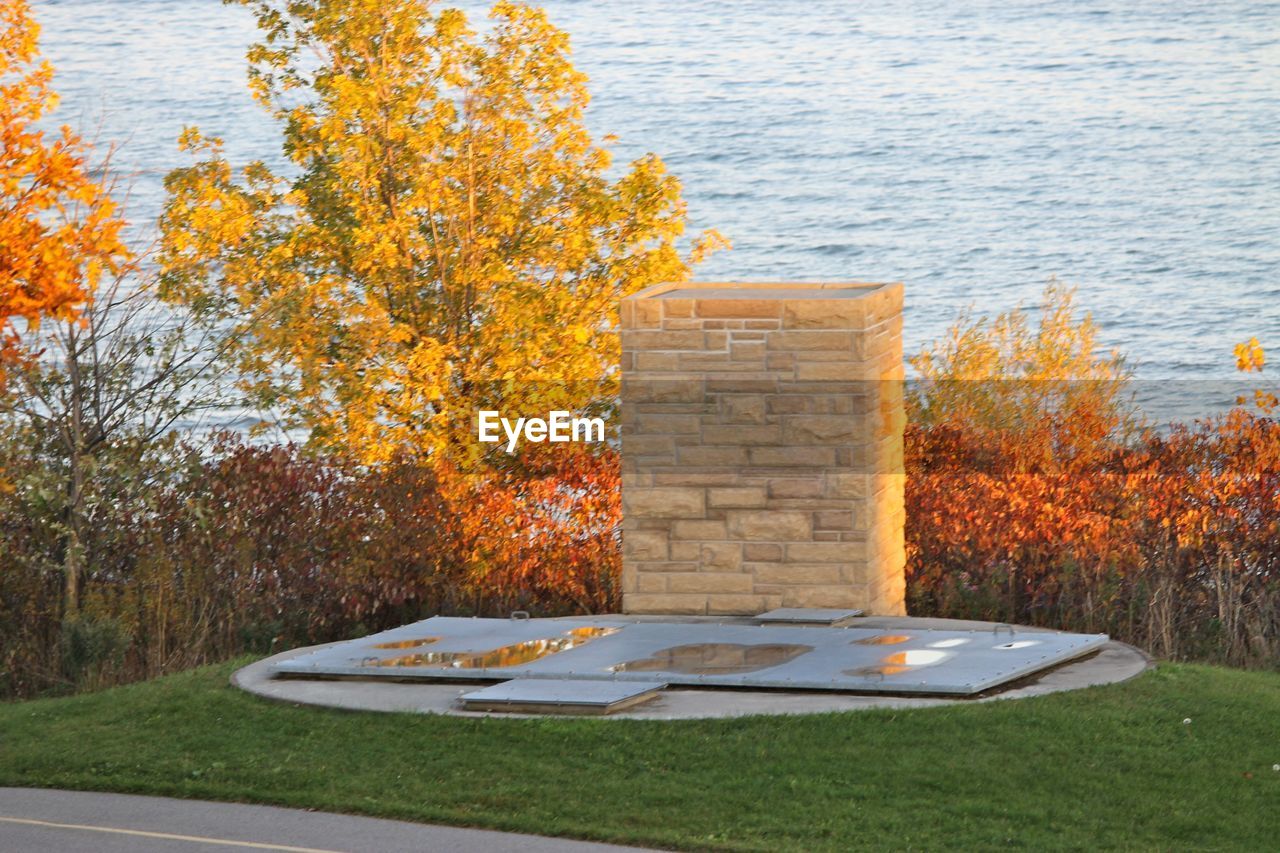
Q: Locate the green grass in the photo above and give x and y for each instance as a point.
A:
(1105, 767)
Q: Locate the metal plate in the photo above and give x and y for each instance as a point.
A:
(565, 695)
(899, 661)
(807, 616)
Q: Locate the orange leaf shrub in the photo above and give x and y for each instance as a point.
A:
(1171, 543)
(265, 548)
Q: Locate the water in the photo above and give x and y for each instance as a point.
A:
(969, 149)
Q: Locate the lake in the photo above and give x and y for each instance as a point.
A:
(970, 149)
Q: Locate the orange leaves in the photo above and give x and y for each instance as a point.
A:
(997, 531)
(59, 229)
(541, 532)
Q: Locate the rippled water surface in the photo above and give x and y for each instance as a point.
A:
(969, 149)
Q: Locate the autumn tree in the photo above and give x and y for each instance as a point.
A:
(95, 417)
(1049, 390)
(59, 229)
(446, 236)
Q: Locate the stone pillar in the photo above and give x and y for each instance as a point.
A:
(762, 448)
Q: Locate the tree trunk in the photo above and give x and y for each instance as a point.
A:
(73, 559)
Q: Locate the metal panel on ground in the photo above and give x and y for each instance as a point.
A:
(851, 659)
(807, 616)
(561, 696)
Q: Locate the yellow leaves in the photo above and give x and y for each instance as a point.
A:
(451, 239)
(1003, 376)
(1250, 357)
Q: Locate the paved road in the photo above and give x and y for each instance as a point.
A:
(80, 822)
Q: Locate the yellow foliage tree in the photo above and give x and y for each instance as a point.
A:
(448, 239)
(1004, 376)
(59, 229)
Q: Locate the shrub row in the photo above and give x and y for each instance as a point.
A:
(1170, 542)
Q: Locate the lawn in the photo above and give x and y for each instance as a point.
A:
(1106, 767)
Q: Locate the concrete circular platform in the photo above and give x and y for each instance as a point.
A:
(1113, 663)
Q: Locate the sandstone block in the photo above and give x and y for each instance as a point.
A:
(721, 557)
(644, 545)
(769, 525)
(664, 502)
(741, 497)
(710, 582)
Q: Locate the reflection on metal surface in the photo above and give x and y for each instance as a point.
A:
(515, 654)
(882, 640)
(934, 661)
(407, 644)
(900, 662)
(715, 658)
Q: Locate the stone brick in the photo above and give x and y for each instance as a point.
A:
(644, 544)
(837, 371)
(677, 605)
(710, 582)
(818, 429)
(704, 457)
(846, 485)
(664, 502)
(683, 477)
(793, 457)
(834, 595)
(761, 552)
(648, 445)
(825, 552)
(769, 525)
(823, 314)
(810, 487)
(742, 435)
(668, 565)
(650, 582)
(699, 530)
(686, 550)
(721, 557)
(797, 573)
(793, 341)
(744, 408)
(677, 308)
(833, 520)
(648, 362)
(646, 339)
(745, 496)
(739, 605)
(655, 424)
(742, 385)
(738, 309)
